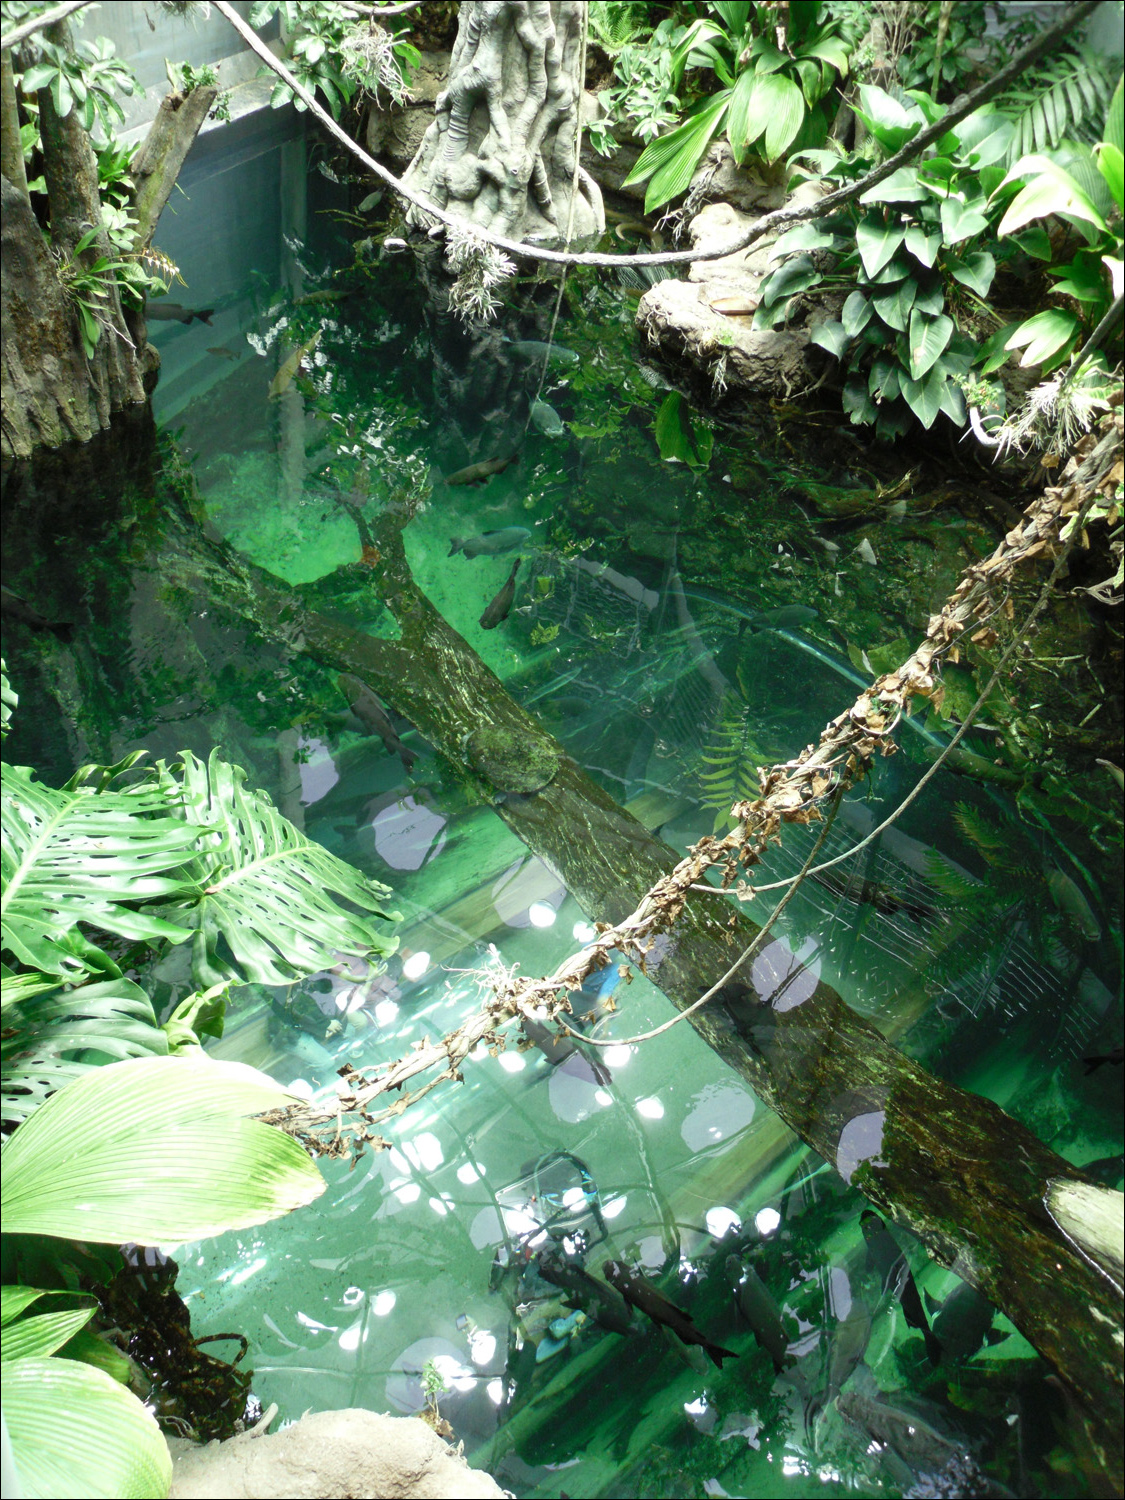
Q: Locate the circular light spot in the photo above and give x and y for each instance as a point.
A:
(651, 1108)
(467, 1173)
(407, 1192)
(301, 1088)
(512, 1062)
(541, 914)
(385, 1012)
(603, 1098)
(720, 1220)
(614, 1207)
(383, 1303)
(766, 1220)
(584, 932)
(495, 1389)
(482, 1346)
(416, 965)
(617, 1057)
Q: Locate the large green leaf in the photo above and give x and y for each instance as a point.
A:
(924, 396)
(856, 314)
(739, 131)
(276, 900)
(83, 855)
(1052, 190)
(39, 1336)
(928, 340)
(1045, 335)
(877, 243)
(894, 305)
(886, 119)
(975, 271)
(670, 162)
(960, 221)
(678, 438)
(923, 244)
(1111, 165)
(786, 106)
(9, 700)
(156, 1150)
(903, 186)
(76, 1432)
(50, 1039)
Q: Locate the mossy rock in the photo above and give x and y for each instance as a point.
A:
(511, 759)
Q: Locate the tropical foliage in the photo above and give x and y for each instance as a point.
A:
(779, 87)
(912, 261)
(336, 49)
(121, 1129)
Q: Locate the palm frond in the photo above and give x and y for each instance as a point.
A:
(51, 1038)
(733, 755)
(1064, 96)
(278, 902)
(87, 855)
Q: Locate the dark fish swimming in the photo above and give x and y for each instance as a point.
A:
(498, 610)
(886, 1258)
(12, 607)
(756, 1304)
(1115, 1056)
(490, 543)
(370, 711)
(607, 1308)
(642, 1295)
(172, 312)
(786, 617)
(962, 1323)
(477, 473)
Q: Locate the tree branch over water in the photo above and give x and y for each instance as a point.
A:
(781, 218)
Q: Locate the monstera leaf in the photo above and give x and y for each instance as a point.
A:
(271, 896)
(88, 854)
(53, 1034)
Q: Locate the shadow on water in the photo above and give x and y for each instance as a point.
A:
(638, 635)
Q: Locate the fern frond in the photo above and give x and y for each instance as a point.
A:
(1066, 96)
(734, 756)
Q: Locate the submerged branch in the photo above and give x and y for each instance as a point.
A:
(1072, 17)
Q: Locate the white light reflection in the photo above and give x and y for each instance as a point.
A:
(300, 1088)
(383, 1304)
(469, 1172)
(651, 1108)
(495, 1389)
(427, 1147)
(247, 1271)
(439, 1207)
(584, 932)
(350, 1337)
(573, 1197)
(541, 914)
(614, 1207)
(457, 1377)
(603, 1098)
(407, 1192)
(766, 1220)
(416, 965)
(482, 1346)
(720, 1220)
(385, 1012)
(617, 1057)
(512, 1062)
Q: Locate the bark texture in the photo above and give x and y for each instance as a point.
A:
(51, 393)
(501, 148)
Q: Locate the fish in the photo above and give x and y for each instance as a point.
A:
(535, 349)
(490, 543)
(546, 419)
(756, 1304)
(1108, 1170)
(888, 1260)
(477, 473)
(1072, 903)
(222, 352)
(15, 608)
(282, 380)
(785, 617)
(642, 1295)
(172, 312)
(326, 294)
(370, 711)
(1097, 1060)
(497, 611)
(962, 1322)
(606, 1307)
(914, 1440)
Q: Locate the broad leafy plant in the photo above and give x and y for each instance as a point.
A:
(338, 49)
(120, 1129)
(779, 88)
(88, 79)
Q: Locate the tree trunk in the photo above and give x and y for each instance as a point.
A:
(51, 393)
(952, 1167)
(501, 148)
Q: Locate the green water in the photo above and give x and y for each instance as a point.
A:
(664, 681)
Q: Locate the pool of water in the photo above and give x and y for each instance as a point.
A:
(644, 634)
